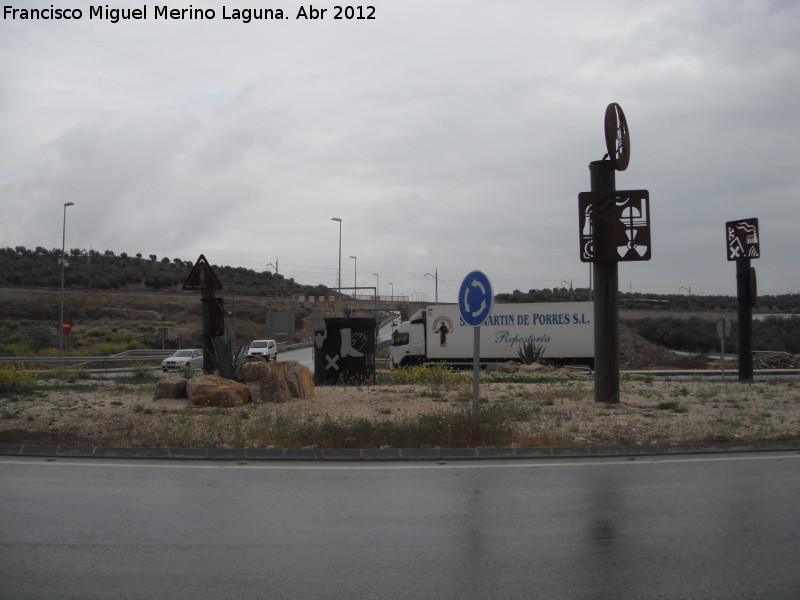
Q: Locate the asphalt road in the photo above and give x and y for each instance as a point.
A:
(712, 527)
(305, 356)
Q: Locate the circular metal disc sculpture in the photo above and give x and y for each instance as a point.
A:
(618, 139)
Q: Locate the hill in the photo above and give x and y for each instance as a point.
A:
(108, 322)
(121, 302)
(90, 269)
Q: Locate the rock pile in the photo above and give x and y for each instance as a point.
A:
(515, 367)
(276, 381)
(261, 381)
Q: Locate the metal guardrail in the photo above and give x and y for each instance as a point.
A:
(83, 361)
(129, 356)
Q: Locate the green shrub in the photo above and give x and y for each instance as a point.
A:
(16, 379)
(437, 375)
(112, 348)
(67, 375)
(142, 370)
(673, 406)
(530, 353)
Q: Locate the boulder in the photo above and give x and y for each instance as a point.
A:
(277, 381)
(210, 390)
(533, 368)
(300, 380)
(506, 367)
(171, 387)
(262, 381)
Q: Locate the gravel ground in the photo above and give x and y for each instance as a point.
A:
(561, 412)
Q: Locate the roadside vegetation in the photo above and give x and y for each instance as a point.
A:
(413, 408)
(700, 335)
(91, 269)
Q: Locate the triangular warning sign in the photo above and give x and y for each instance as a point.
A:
(202, 277)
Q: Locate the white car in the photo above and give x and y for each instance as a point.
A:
(266, 348)
(181, 358)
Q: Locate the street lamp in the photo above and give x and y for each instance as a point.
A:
(355, 276)
(391, 298)
(436, 280)
(340, 254)
(63, 265)
(378, 287)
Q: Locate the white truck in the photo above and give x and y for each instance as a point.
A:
(564, 330)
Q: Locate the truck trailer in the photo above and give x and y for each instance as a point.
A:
(437, 334)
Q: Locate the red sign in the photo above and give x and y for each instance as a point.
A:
(66, 326)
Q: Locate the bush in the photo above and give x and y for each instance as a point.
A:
(142, 370)
(436, 376)
(112, 348)
(530, 353)
(15, 379)
(67, 375)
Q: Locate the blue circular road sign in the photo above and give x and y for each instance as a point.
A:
(475, 298)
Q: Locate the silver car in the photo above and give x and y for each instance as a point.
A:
(266, 348)
(181, 358)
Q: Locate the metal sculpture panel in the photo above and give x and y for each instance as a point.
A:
(614, 227)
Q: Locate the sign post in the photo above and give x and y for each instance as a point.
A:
(66, 327)
(743, 243)
(203, 278)
(723, 331)
(614, 227)
(475, 303)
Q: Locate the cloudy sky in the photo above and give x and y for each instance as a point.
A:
(448, 135)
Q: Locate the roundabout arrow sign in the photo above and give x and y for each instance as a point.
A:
(475, 304)
(475, 298)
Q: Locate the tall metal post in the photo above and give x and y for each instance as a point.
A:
(476, 369)
(606, 313)
(744, 315)
(208, 298)
(340, 256)
(62, 334)
(355, 277)
(436, 283)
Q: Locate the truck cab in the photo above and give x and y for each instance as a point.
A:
(408, 341)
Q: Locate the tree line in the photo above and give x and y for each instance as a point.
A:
(782, 303)
(91, 269)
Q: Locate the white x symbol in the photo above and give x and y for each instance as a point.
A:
(331, 362)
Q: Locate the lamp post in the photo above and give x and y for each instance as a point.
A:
(340, 254)
(436, 281)
(63, 265)
(378, 287)
(391, 298)
(355, 276)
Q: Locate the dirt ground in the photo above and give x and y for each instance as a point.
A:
(558, 412)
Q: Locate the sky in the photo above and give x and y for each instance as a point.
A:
(448, 135)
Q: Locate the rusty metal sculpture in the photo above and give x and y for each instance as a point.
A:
(618, 138)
